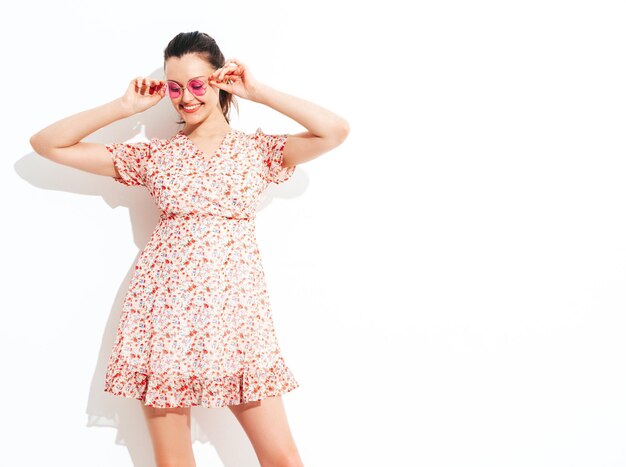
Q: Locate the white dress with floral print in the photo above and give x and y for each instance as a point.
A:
(196, 326)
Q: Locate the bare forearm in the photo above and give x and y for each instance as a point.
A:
(71, 130)
(316, 119)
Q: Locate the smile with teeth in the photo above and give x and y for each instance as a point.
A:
(190, 108)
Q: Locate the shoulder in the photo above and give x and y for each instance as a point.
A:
(269, 142)
(247, 136)
(253, 140)
(161, 145)
(163, 142)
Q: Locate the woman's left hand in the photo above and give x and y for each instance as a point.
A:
(235, 78)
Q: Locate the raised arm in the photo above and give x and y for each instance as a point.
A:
(61, 141)
(325, 129)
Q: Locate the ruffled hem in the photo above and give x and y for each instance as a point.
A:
(167, 391)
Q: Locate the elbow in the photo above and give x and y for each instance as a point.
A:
(346, 127)
(37, 145)
(344, 130)
(33, 142)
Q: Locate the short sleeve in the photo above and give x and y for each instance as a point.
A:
(271, 148)
(130, 160)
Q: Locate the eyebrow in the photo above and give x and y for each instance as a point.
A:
(201, 76)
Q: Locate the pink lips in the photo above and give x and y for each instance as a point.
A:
(192, 110)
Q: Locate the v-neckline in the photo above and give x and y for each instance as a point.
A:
(198, 152)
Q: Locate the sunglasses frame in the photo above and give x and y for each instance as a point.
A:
(204, 81)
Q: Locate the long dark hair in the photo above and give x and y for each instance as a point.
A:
(205, 46)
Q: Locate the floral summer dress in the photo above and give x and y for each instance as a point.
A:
(196, 326)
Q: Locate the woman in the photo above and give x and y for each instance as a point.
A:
(196, 326)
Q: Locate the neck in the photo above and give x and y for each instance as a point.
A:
(207, 128)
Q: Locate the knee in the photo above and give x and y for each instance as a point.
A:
(285, 459)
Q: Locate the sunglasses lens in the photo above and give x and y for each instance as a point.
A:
(197, 86)
(173, 89)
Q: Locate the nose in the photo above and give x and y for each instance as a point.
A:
(190, 95)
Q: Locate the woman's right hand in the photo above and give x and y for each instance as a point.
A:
(143, 93)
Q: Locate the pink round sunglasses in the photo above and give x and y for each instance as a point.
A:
(197, 86)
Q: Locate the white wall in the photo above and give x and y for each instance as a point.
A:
(448, 285)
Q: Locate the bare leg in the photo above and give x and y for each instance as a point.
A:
(265, 423)
(170, 430)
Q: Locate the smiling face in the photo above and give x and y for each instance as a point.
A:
(193, 109)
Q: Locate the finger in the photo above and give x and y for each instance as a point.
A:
(154, 86)
(233, 71)
(227, 68)
(138, 84)
(219, 78)
(234, 76)
(223, 84)
(160, 89)
(238, 72)
(227, 74)
(216, 84)
(238, 65)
